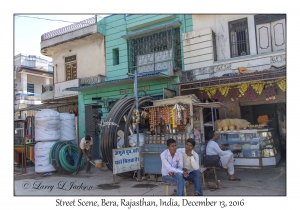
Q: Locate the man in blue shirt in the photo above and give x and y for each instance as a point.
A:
(172, 166)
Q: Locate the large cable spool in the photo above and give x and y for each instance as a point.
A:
(41, 156)
(123, 107)
(47, 125)
(67, 127)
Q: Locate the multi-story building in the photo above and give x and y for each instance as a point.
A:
(150, 44)
(31, 73)
(78, 56)
(239, 60)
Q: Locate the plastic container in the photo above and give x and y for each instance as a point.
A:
(47, 125)
(67, 127)
(98, 163)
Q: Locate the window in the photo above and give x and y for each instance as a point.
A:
(71, 67)
(239, 38)
(116, 56)
(158, 51)
(30, 88)
(270, 32)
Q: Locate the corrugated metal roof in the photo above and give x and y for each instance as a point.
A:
(152, 74)
(237, 79)
(44, 106)
(232, 76)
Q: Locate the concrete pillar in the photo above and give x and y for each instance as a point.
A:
(47, 81)
(24, 83)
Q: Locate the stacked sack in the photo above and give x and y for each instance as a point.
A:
(64, 153)
(67, 127)
(47, 132)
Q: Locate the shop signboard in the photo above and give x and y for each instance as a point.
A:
(126, 159)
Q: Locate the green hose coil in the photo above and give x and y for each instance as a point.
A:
(58, 154)
(63, 161)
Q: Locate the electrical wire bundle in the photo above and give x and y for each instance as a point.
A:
(64, 157)
(123, 107)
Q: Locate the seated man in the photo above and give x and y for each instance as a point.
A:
(226, 157)
(171, 167)
(191, 165)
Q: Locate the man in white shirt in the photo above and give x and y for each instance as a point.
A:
(226, 157)
(172, 166)
(85, 149)
(191, 165)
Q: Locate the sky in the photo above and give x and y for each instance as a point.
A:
(28, 30)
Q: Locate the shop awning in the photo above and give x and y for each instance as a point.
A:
(210, 105)
(128, 80)
(151, 29)
(236, 79)
(44, 106)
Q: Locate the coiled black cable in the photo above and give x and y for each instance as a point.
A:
(123, 107)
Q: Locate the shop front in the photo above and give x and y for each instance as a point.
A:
(179, 118)
(258, 98)
(96, 101)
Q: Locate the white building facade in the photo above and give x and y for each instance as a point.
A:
(220, 44)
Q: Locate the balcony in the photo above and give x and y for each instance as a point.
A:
(47, 92)
(59, 89)
(28, 98)
(68, 36)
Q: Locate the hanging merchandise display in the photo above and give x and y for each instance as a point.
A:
(135, 118)
(169, 121)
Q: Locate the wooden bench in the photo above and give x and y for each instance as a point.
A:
(215, 174)
(167, 184)
(203, 169)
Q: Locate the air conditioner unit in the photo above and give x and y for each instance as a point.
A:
(101, 78)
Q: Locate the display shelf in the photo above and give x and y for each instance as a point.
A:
(266, 151)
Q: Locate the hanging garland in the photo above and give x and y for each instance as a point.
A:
(224, 90)
(281, 84)
(211, 92)
(204, 96)
(258, 87)
(270, 92)
(218, 97)
(250, 94)
(234, 93)
(243, 88)
(214, 93)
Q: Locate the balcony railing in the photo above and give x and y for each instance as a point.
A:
(46, 88)
(28, 97)
(91, 80)
(68, 29)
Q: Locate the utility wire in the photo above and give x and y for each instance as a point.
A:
(44, 18)
(63, 21)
